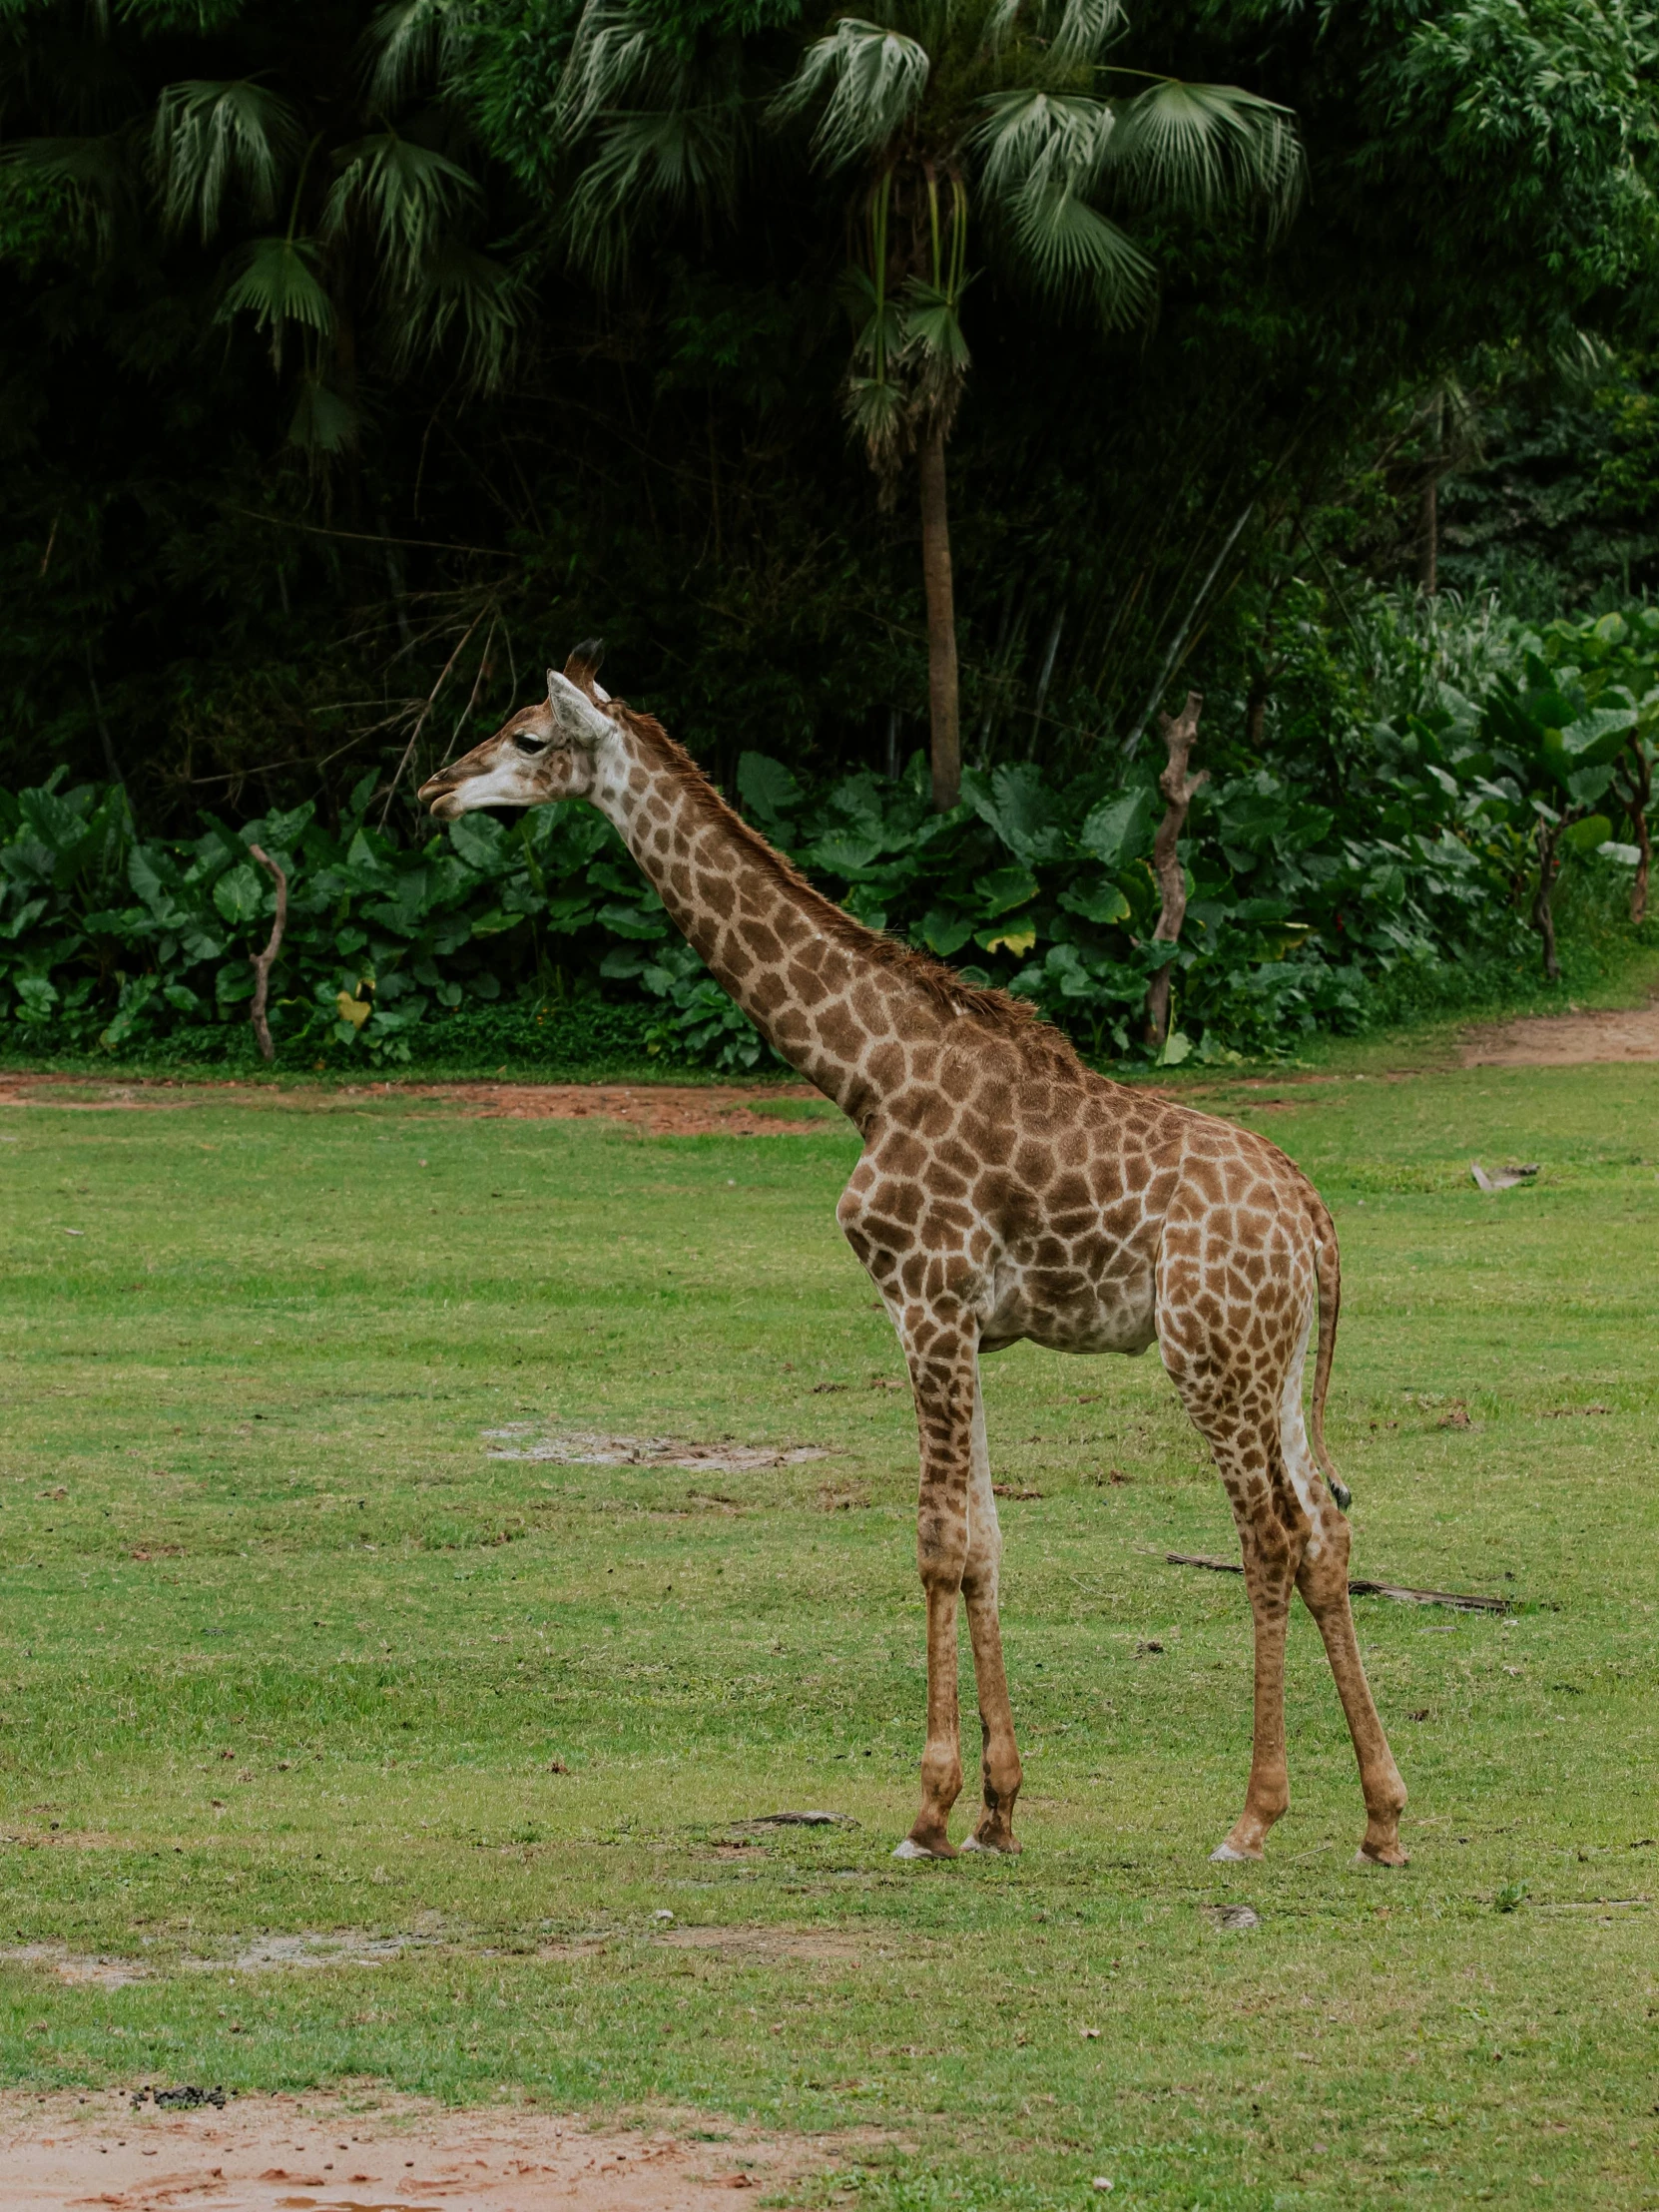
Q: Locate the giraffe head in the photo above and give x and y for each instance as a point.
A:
(544, 753)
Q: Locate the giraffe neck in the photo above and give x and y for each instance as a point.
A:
(812, 979)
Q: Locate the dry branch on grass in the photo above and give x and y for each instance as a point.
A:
(1358, 1589)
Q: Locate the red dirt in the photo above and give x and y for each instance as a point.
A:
(1572, 1039)
(373, 2153)
(656, 1109)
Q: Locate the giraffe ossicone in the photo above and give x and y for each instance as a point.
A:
(1004, 1191)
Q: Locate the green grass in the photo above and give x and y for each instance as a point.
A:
(329, 1693)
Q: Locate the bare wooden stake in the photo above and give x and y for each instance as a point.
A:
(1454, 1598)
(1180, 735)
(263, 962)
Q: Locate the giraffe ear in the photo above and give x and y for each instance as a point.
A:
(582, 667)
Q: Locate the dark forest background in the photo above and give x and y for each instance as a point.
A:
(309, 463)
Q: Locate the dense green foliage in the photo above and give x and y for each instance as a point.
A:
(1410, 844)
(319, 436)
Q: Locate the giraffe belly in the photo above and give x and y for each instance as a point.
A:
(1072, 1313)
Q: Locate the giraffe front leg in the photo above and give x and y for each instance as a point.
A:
(1000, 1770)
(942, 1374)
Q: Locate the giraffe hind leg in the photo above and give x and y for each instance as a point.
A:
(1322, 1581)
(1272, 1534)
(1322, 1578)
(1236, 1400)
(999, 1762)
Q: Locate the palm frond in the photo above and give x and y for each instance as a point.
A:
(466, 297)
(403, 194)
(1084, 29)
(1028, 135)
(877, 317)
(933, 329)
(653, 124)
(94, 176)
(275, 282)
(411, 43)
(674, 155)
(1205, 147)
(875, 79)
(614, 56)
(325, 421)
(1070, 251)
(934, 360)
(1072, 31)
(877, 411)
(209, 138)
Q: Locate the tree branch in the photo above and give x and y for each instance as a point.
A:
(1180, 735)
(263, 962)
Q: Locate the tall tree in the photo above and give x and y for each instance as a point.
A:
(1004, 113)
(335, 205)
(1008, 118)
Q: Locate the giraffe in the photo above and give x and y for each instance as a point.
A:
(1004, 1191)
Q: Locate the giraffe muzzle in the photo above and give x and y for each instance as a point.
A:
(441, 795)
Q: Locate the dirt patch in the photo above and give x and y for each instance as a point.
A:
(346, 1946)
(378, 2155)
(69, 1839)
(310, 1948)
(521, 1443)
(768, 1942)
(81, 1969)
(655, 1109)
(1565, 1041)
(659, 1110)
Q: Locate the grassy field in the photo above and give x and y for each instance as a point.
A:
(285, 1649)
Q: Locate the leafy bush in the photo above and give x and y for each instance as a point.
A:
(111, 940)
(1406, 847)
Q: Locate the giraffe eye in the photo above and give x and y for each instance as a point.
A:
(531, 744)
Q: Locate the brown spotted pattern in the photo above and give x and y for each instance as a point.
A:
(1005, 1192)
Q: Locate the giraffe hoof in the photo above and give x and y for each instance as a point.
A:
(1386, 1855)
(1230, 1854)
(910, 1849)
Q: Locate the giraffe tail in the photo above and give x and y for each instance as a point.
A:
(1328, 1269)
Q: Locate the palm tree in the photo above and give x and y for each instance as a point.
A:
(1005, 120)
(336, 217)
(1005, 115)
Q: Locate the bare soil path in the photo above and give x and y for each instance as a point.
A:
(374, 2153)
(656, 1109)
(1568, 1040)
(1573, 1039)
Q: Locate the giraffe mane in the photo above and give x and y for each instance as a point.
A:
(995, 1010)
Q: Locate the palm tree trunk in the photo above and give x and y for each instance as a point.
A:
(943, 700)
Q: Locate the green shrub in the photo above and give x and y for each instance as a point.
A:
(1365, 869)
